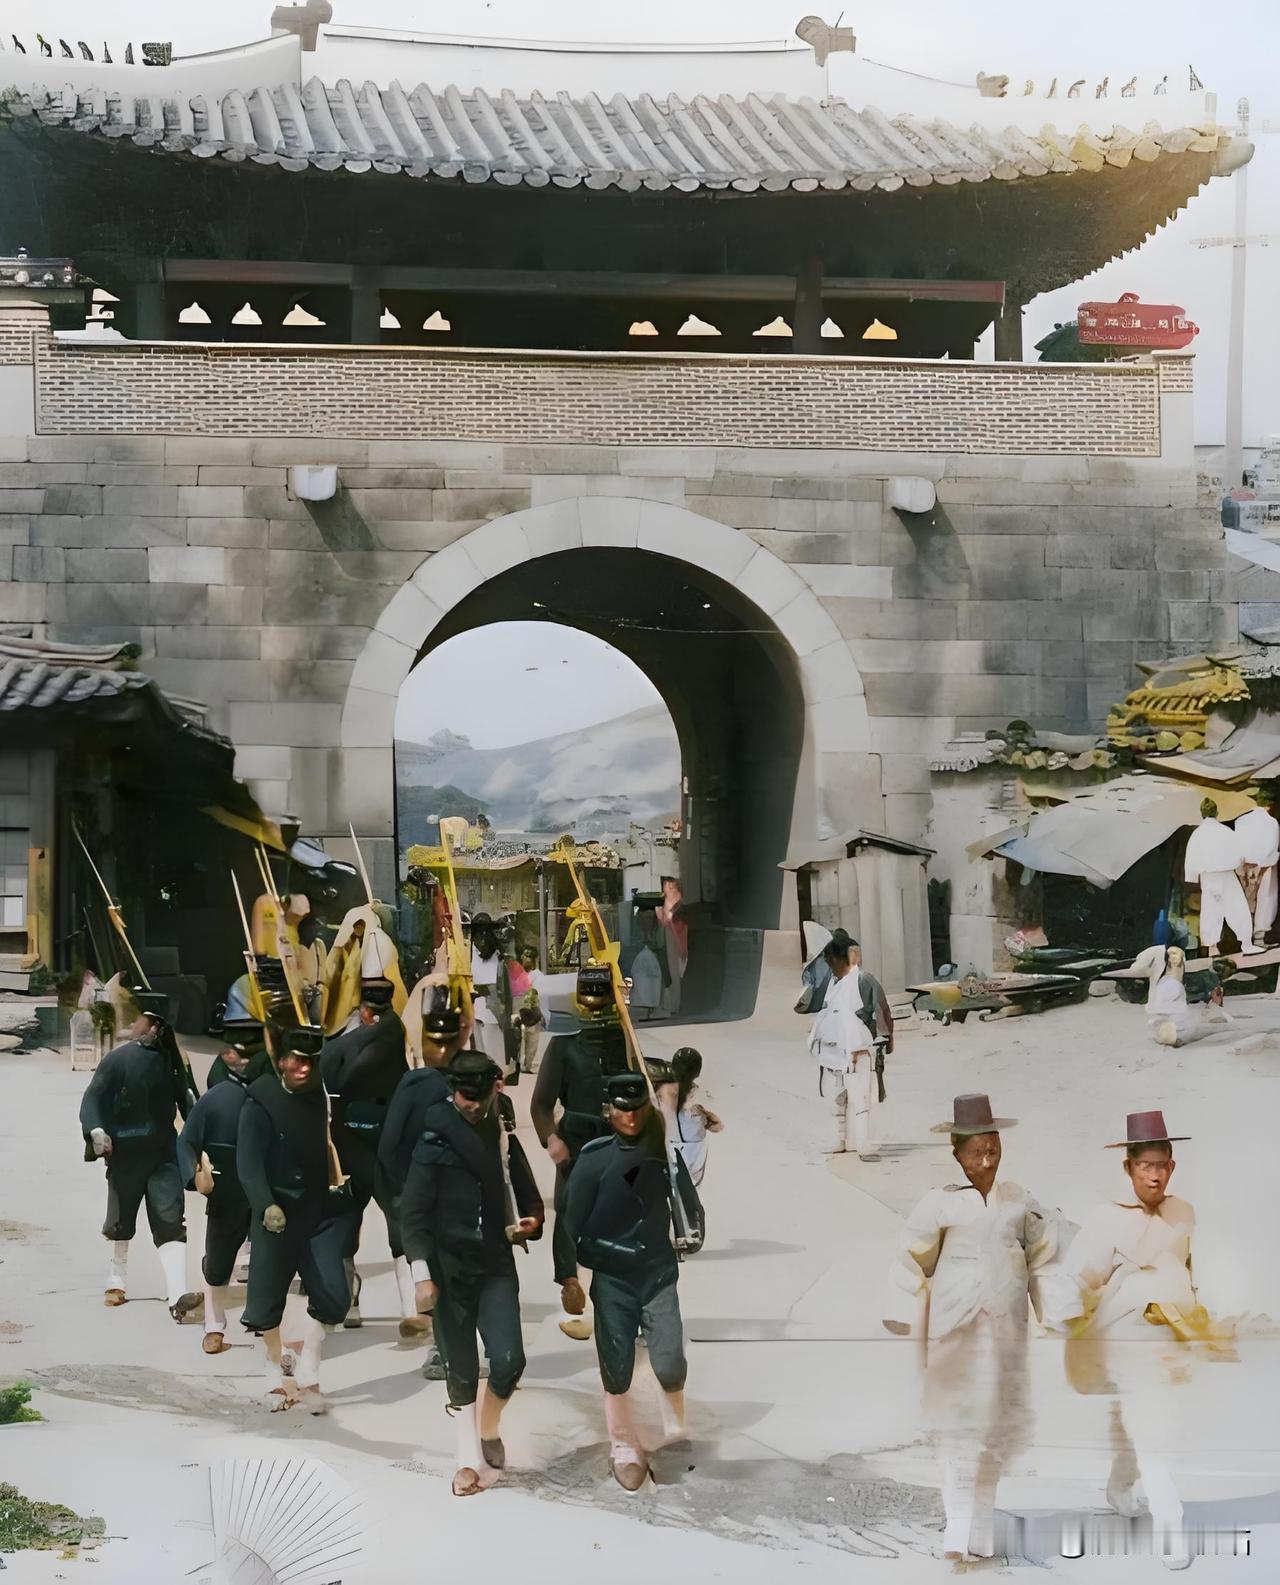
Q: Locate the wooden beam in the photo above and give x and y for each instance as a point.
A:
(573, 283)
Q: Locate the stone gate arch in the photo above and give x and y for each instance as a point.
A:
(833, 773)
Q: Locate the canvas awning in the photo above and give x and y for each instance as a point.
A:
(1099, 833)
(1252, 749)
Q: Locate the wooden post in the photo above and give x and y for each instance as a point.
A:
(366, 308)
(1008, 330)
(807, 316)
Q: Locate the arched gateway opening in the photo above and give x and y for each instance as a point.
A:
(743, 655)
(729, 681)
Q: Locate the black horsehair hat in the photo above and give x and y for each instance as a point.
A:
(303, 1040)
(154, 1004)
(627, 1092)
(376, 992)
(472, 1073)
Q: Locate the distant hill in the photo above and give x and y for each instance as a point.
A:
(594, 782)
(416, 804)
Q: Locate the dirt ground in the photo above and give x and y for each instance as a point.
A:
(804, 1458)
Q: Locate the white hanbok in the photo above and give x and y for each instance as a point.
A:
(1214, 854)
(1258, 833)
(841, 1042)
(1124, 1260)
(965, 1276)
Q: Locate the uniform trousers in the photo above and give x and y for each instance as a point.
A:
(360, 1161)
(226, 1227)
(150, 1173)
(472, 1300)
(310, 1246)
(646, 1305)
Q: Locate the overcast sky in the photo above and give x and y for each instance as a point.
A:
(513, 682)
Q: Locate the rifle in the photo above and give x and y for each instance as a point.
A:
(457, 952)
(336, 1175)
(113, 912)
(687, 1234)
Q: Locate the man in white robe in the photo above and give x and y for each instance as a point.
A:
(975, 1257)
(1140, 1327)
(841, 1040)
(1214, 854)
(1258, 833)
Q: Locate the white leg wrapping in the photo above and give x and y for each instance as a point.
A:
(958, 1474)
(173, 1261)
(405, 1287)
(118, 1269)
(275, 1353)
(466, 1427)
(215, 1309)
(307, 1370)
(624, 1442)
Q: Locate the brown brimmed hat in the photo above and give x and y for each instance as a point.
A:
(971, 1114)
(1146, 1128)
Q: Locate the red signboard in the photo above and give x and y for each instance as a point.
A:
(1130, 323)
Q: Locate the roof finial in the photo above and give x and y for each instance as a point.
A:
(1130, 89)
(825, 39)
(304, 20)
(991, 86)
(1074, 91)
(1194, 81)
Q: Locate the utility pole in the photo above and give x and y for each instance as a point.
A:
(1239, 243)
(1233, 443)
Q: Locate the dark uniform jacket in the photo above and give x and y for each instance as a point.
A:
(417, 1092)
(572, 1076)
(213, 1128)
(361, 1070)
(133, 1095)
(619, 1209)
(455, 1203)
(282, 1147)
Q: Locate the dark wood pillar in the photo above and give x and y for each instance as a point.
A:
(145, 315)
(1008, 329)
(807, 314)
(366, 308)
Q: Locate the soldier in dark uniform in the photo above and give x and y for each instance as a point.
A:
(244, 1054)
(416, 1093)
(127, 1118)
(629, 1204)
(207, 1156)
(361, 1069)
(572, 1078)
(468, 1198)
(298, 1217)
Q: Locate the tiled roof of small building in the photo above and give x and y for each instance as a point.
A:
(754, 143)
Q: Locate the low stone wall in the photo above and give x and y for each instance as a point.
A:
(629, 399)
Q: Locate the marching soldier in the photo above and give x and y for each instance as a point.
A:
(207, 1155)
(127, 1117)
(361, 1070)
(569, 1110)
(419, 1090)
(469, 1197)
(626, 1200)
(299, 1210)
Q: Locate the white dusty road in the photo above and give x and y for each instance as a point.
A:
(805, 1460)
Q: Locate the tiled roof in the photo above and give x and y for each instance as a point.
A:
(39, 675)
(754, 143)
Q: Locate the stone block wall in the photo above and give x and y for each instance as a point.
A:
(1030, 590)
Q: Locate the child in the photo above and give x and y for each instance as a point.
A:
(688, 1122)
